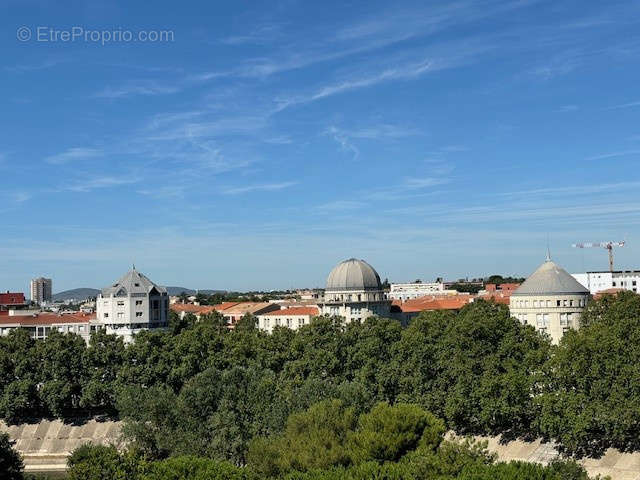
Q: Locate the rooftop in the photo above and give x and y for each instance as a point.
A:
(550, 279)
(313, 311)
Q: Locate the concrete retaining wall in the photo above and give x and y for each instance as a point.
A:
(46, 445)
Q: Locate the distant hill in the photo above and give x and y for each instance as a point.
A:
(84, 293)
(189, 291)
(79, 294)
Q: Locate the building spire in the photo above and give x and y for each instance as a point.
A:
(548, 259)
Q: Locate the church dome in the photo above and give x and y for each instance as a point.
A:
(550, 279)
(353, 274)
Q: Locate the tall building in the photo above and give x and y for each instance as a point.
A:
(354, 292)
(550, 300)
(132, 304)
(41, 290)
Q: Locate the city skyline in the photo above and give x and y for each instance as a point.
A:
(254, 149)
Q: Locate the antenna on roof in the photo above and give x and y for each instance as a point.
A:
(548, 250)
(134, 266)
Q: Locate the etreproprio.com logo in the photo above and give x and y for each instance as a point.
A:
(47, 34)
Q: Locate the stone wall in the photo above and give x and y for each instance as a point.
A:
(46, 445)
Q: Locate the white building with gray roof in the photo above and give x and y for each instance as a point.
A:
(354, 292)
(132, 304)
(550, 300)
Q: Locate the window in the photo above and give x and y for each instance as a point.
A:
(548, 303)
(289, 322)
(120, 314)
(557, 303)
(106, 315)
(535, 304)
(564, 320)
(138, 314)
(565, 303)
(613, 284)
(355, 310)
(138, 302)
(120, 303)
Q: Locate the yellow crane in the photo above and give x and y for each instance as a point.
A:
(606, 245)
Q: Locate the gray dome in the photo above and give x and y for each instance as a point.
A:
(550, 279)
(353, 274)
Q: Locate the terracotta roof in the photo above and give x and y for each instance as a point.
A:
(249, 307)
(190, 308)
(453, 302)
(46, 319)
(608, 291)
(225, 305)
(12, 298)
(497, 296)
(312, 311)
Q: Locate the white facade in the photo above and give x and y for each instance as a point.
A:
(292, 318)
(132, 304)
(550, 300)
(408, 291)
(599, 281)
(354, 292)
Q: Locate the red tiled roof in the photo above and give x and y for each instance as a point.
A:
(225, 305)
(452, 302)
(12, 298)
(190, 308)
(312, 311)
(498, 297)
(608, 291)
(46, 319)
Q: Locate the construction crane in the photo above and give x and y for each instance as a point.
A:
(607, 245)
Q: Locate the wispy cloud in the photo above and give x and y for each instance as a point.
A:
(625, 105)
(574, 189)
(339, 206)
(343, 141)
(567, 108)
(418, 183)
(621, 153)
(145, 89)
(72, 155)
(99, 182)
(266, 187)
(36, 66)
(403, 72)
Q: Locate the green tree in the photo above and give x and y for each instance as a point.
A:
(315, 438)
(387, 433)
(11, 465)
(591, 396)
(102, 361)
(100, 462)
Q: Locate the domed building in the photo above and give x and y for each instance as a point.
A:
(354, 292)
(550, 299)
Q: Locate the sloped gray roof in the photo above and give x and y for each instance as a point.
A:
(550, 279)
(353, 274)
(132, 282)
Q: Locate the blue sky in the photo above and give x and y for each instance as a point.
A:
(266, 141)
